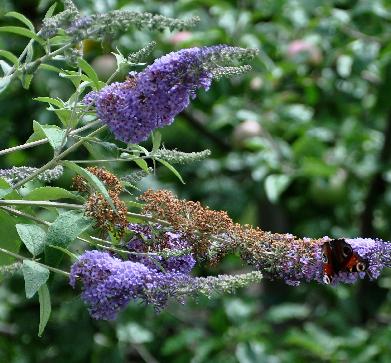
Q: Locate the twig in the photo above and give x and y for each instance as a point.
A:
(44, 141)
(20, 257)
(57, 158)
(41, 203)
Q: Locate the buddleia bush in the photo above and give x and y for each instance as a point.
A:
(115, 244)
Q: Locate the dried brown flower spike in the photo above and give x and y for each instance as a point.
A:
(97, 206)
(110, 180)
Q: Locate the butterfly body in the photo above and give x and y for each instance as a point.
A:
(338, 256)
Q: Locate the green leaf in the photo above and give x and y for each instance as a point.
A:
(65, 251)
(316, 167)
(52, 193)
(6, 191)
(49, 67)
(53, 101)
(53, 133)
(133, 333)
(33, 236)
(22, 31)
(50, 11)
(35, 275)
(9, 237)
(275, 185)
(21, 18)
(287, 311)
(90, 72)
(91, 179)
(170, 167)
(65, 116)
(156, 140)
(10, 56)
(44, 308)
(141, 163)
(59, 40)
(67, 227)
(26, 80)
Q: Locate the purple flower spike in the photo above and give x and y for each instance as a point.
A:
(369, 257)
(151, 99)
(109, 283)
(376, 252)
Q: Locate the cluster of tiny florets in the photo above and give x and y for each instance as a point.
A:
(135, 176)
(180, 157)
(109, 179)
(375, 252)
(148, 273)
(198, 223)
(282, 256)
(111, 24)
(18, 173)
(97, 206)
(107, 219)
(152, 98)
(160, 250)
(110, 283)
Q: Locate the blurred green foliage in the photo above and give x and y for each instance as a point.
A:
(300, 145)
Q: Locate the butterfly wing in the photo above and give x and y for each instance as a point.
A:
(338, 256)
(346, 260)
(328, 267)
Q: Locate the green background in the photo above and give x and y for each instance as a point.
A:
(302, 144)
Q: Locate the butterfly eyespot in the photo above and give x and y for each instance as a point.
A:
(346, 251)
(361, 266)
(326, 280)
(325, 258)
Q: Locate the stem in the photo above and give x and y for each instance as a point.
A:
(148, 218)
(57, 158)
(41, 203)
(20, 257)
(117, 71)
(26, 215)
(44, 141)
(108, 160)
(38, 61)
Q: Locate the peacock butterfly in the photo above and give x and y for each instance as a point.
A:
(338, 256)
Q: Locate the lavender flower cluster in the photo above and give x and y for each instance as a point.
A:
(375, 252)
(110, 283)
(178, 258)
(152, 98)
(294, 266)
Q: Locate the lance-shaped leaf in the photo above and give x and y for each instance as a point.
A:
(35, 275)
(51, 193)
(67, 227)
(45, 308)
(53, 133)
(33, 236)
